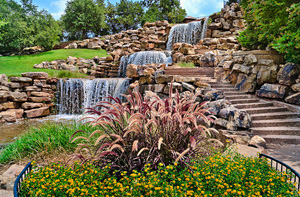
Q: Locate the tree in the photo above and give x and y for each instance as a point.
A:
(167, 9)
(83, 17)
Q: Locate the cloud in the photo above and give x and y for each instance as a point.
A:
(201, 8)
(59, 7)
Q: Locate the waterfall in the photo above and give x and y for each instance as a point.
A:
(77, 94)
(143, 58)
(190, 33)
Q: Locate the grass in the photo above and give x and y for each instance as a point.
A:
(46, 139)
(15, 65)
(186, 64)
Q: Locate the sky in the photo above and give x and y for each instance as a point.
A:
(195, 8)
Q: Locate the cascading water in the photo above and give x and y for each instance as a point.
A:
(143, 58)
(190, 33)
(77, 94)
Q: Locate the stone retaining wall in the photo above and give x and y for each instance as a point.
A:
(29, 96)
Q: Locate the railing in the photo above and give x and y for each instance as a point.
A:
(20, 178)
(280, 166)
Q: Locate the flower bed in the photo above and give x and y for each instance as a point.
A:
(215, 176)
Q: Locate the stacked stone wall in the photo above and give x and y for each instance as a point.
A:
(29, 96)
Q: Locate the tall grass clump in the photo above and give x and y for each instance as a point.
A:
(146, 131)
(186, 65)
(47, 139)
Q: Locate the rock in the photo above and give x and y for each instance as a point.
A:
(73, 45)
(250, 59)
(288, 74)
(145, 79)
(215, 26)
(267, 75)
(18, 96)
(221, 122)
(19, 112)
(164, 79)
(246, 83)
(39, 99)
(4, 88)
(240, 119)
(4, 95)
(272, 91)
(257, 141)
(184, 79)
(216, 106)
(241, 68)
(213, 95)
(28, 105)
(224, 113)
(188, 86)
(7, 116)
(296, 87)
(3, 79)
(293, 99)
(10, 105)
(41, 94)
(201, 84)
(132, 71)
(157, 88)
(228, 65)
(39, 112)
(20, 79)
(71, 60)
(265, 62)
(8, 178)
(36, 75)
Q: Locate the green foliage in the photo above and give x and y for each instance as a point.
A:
(83, 17)
(143, 131)
(163, 10)
(220, 175)
(15, 65)
(270, 23)
(46, 139)
(25, 26)
(186, 65)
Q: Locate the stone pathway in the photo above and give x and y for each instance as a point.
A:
(6, 193)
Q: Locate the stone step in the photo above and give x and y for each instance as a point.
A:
(261, 110)
(217, 86)
(252, 105)
(238, 97)
(276, 115)
(229, 89)
(190, 71)
(276, 131)
(277, 123)
(282, 139)
(242, 101)
(233, 93)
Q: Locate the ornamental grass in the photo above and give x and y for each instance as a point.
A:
(219, 175)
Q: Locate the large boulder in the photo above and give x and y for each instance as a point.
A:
(216, 106)
(246, 83)
(272, 91)
(240, 119)
(18, 96)
(8, 116)
(293, 99)
(3, 79)
(39, 112)
(267, 74)
(132, 71)
(288, 74)
(4, 95)
(36, 75)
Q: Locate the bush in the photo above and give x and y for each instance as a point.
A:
(144, 131)
(215, 176)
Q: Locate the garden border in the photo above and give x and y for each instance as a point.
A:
(282, 164)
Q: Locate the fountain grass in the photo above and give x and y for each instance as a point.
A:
(49, 139)
(15, 65)
(186, 65)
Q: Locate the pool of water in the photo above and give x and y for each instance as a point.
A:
(9, 132)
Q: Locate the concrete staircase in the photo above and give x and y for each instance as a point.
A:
(276, 124)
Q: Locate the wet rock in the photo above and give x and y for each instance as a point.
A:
(28, 105)
(7, 116)
(39, 112)
(36, 75)
(272, 91)
(20, 79)
(246, 83)
(257, 141)
(18, 96)
(288, 74)
(293, 99)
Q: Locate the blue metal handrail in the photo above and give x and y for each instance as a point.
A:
(280, 164)
(20, 178)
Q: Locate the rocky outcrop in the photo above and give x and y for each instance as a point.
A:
(28, 96)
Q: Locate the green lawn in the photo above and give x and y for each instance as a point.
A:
(15, 65)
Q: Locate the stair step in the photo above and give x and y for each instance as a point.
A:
(228, 89)
(252, 105)
(276, 131)
(238, 97)
(241, 101)
(282, 139)
(261, 110)
(277, 123)
(277, 115)
(222, 86)
(233, 93)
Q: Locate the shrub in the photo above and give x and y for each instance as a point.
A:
(215, 176)
(145, 131)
